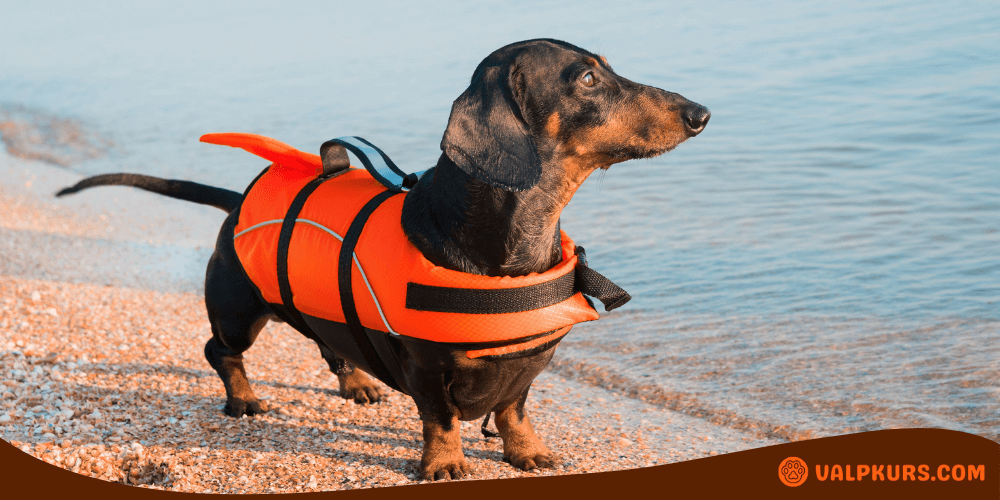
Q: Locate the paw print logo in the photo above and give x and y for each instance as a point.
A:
(793, 471)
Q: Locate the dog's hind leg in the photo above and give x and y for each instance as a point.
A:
(237, 316)
(228, 363)
(354, 384)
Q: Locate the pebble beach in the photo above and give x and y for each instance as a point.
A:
(103, 374)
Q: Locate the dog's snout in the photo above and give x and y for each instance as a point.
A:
(695, 118)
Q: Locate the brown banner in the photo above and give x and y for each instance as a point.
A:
(903, 463)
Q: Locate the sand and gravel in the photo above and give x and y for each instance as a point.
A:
(102, 370)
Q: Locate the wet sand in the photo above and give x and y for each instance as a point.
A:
(101, 332)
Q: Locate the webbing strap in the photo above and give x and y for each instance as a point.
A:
(284, 238)
(479, 301)
(510, 300)
(593, 283)
(378, 164)
(344, 268)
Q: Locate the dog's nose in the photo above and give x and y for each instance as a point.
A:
(696, 117)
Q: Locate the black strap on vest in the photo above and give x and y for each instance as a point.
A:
(593, 283)
(345, 266)
(284, 238)
(526, 298)
(344, 269)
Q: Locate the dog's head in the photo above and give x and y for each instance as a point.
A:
(541, 100)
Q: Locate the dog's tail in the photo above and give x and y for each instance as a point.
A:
(183, 190)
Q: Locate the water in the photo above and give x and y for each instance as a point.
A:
(823, 258)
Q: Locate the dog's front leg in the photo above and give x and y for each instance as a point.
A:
(442, 457)
(522, 448)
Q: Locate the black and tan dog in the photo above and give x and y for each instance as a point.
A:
(538, 117)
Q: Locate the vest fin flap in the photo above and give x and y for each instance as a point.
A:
(270, 149)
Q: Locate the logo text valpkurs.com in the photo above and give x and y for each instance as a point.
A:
(900, 472)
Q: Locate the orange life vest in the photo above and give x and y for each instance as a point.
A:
(385, 265)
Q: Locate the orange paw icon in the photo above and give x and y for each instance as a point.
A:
(793, 471)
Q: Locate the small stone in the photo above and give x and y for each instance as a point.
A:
(96, 415)
(4, 418)
(624, 443)
(66, 443)
(35, 296)
(123, 347)
(52, 312)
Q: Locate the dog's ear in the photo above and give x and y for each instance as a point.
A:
(487, 136)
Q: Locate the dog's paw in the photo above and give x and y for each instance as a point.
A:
(360, 387)
(444, 469)
(533, 461)
(238, 407)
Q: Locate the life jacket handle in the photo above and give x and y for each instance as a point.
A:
(375, 161)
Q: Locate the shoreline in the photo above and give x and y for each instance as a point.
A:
(103, 371)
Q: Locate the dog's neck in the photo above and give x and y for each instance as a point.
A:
(464, 224)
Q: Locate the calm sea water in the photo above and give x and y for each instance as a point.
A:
(823, 257)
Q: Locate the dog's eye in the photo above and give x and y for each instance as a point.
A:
(588, 79)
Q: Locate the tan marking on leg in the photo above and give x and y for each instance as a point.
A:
(442, 457)
(521, 446)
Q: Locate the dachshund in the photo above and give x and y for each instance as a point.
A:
(538, 117)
